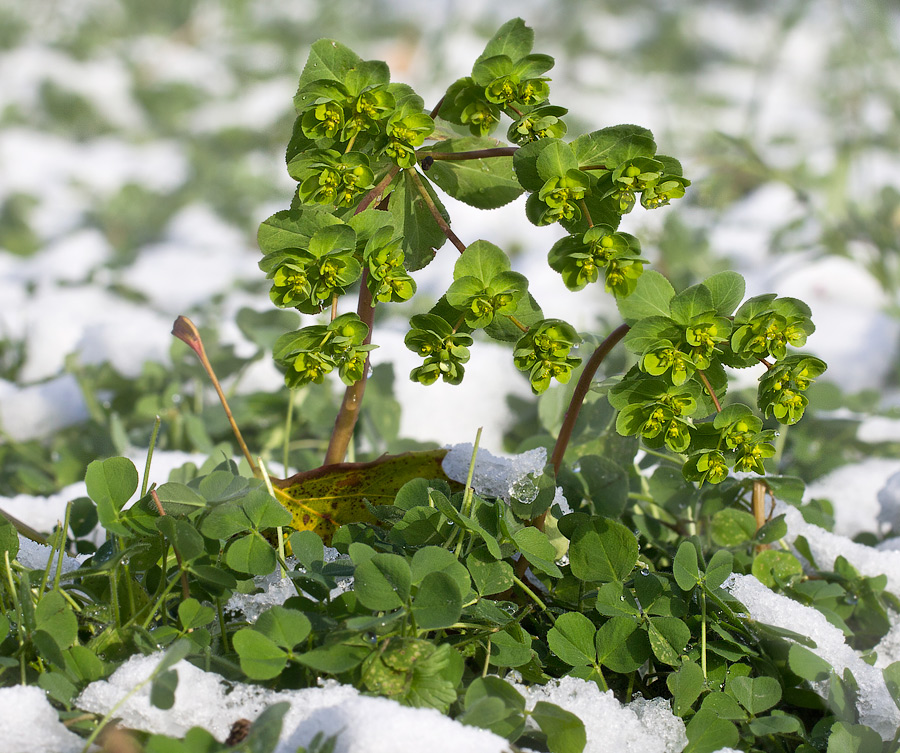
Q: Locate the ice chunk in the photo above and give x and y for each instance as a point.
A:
(643, 726)
(888, 649)
(495, 476)
(362, 724)
(889, 502)
(29, 724)
(763, 605)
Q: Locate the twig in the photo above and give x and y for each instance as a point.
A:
(581, 390)
(710, 390)
(185, 331)
(442, 223)
(500, 151)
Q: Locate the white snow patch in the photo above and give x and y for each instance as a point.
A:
(362, 724)
(853, 489)
(642, 726)
(876, 708)
(29, 723)
(40, 410)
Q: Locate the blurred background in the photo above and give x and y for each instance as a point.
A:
(141, 144)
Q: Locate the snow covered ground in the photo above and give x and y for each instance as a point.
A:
(137, 154)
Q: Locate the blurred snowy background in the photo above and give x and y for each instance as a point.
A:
(141, 144)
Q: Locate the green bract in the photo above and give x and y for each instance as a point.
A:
(444, 350)
(543, 352)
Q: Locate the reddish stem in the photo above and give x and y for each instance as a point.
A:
(500, 151)
(441, 222)
(581, 390)
(710, 390)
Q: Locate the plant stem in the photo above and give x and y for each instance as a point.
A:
(441, 222)
(185, 331)
(758, 502)
(500, 151)
(518, 323)
(23, 528)
(587, 213)
(710, 390)
(153, 435)
(524, 586)
(581, 390)
(185, 588)
(348, 414)
(703, 632)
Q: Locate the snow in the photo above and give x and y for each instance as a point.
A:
(494, 476)
(371, 725)
(855, 492)
(642, 726)
(876, 708)
(29, 724)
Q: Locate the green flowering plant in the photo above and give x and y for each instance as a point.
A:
(370, 162)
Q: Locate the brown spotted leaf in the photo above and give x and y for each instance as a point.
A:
(324, 498)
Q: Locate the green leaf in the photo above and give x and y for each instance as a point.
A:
(511, 647)
(668, 638)
(853, 738)
(724, 706)
(602, 550)
(438, 602)
(110, 483)
(55, 615)
(775, 563)
(555, 160)
(651, 297)
(412, 219)
(263, 511)
(482, 183)
(685, 685)
(756, 694)
(685, 568)
(265, 731)
(260, 657)
(732, 527)
(727, 290)
(179, 499)
(224, 521)
(250, 554)
(621, 645)
(292, 228)
(492, 703)
(689, 303)
(718, 569)
(514, 39)
(804, 663)
(481, 260)
(708, 733)
(383, 582)
(328, 60)
(565, 731)
(772, 530)
(891, 678)
(491, 576)
(192, 614)
(334, 659)
(162, 689)
(432, 558)
(183, 536)
(775, 725)
(572, 639)
(614, 145)
(83, 664)
(9, 541)
(284, 627)
(307, 547)
(537, 548)
(607, 484)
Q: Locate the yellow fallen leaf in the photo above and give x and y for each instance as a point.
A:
(324, 498)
